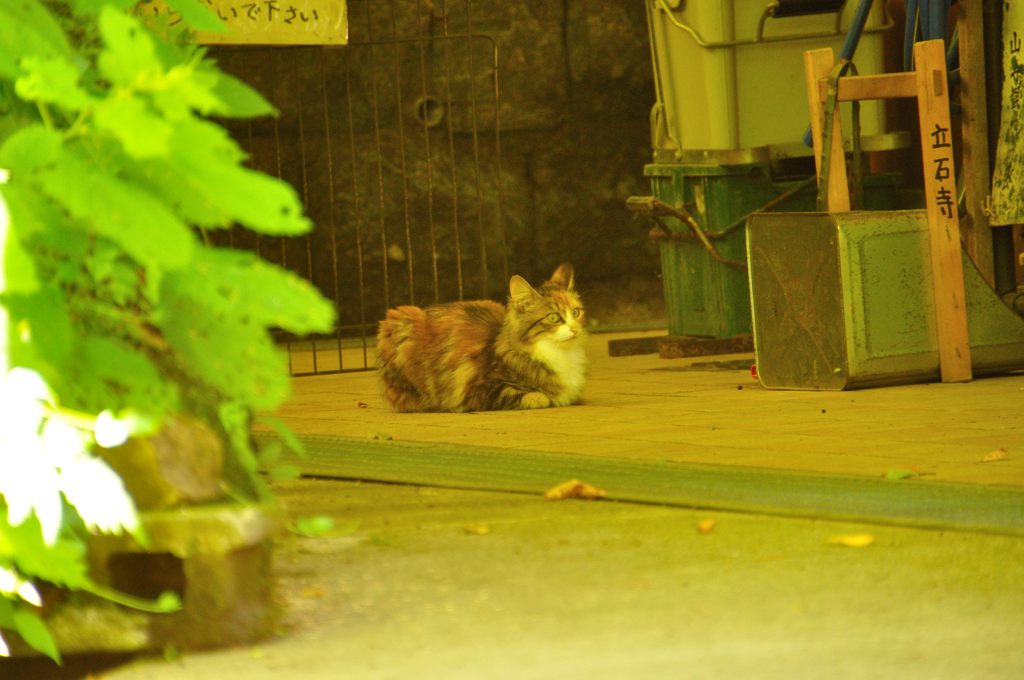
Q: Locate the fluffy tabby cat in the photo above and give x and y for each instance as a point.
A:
(481, 356)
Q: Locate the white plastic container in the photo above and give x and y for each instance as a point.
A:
(744, 87)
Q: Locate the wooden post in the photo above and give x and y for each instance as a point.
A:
(941, 205)
(817, 65)
(977, 180)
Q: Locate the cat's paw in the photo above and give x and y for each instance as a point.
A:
(535, 400)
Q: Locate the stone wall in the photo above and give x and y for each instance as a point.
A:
(380, 136)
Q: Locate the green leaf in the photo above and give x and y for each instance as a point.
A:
(204, 152)
(45, 328)
(174, 51)
(106, 374)
(269, 454)
(197, 16)
(130, 56)
(28, 29)
(117, 281)
(238, 359)
(897, 474)
(183, 89)
(241, 469)
(183, 194)
(6, 612)
(205, 142)
(51, 80)
(30, 148)
(126, 214)
(17, 269)
(262, 203)
(285, 433)
(34, 632)
(282, 473)
(17, 113)
(95, 6)
(168, 602)
(129, 120)
(238, 100)
(239, 284)
(313, 526)
(62, 563)
(30, 212)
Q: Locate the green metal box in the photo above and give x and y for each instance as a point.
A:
(845, 300)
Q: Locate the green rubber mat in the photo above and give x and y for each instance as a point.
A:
(909, 502)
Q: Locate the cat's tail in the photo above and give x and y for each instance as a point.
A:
(395, 330)
(396, 354)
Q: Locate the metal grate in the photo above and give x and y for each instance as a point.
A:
(394, 144)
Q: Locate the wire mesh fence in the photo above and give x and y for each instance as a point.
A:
(394, 143)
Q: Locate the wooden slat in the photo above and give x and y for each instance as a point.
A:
(817, 65)
(885, 86)
(941, 205)
(975, 228)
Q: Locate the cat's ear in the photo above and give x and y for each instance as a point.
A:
(520, 291)
(564, 276)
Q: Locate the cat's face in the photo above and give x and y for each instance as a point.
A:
(552, 312)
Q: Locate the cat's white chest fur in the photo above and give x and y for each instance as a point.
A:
(569, 362)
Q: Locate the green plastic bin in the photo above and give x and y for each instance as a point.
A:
(705, 297)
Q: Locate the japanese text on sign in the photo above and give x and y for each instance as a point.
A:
(267, 22)
(1008, 175)
(945, 192)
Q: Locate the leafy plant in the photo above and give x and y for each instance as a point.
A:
(114, 311)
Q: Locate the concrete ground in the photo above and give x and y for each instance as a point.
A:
(436, 583)
(421, 581)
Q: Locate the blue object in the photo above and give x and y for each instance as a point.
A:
(910, 34)
(860, 18)
(927, 20)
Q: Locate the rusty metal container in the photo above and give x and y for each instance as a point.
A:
(844, 300)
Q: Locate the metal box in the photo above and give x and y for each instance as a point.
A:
(844, 300)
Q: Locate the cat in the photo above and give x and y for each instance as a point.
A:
(483, 356)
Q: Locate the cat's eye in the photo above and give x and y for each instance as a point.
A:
(553, 317)
(576, 312)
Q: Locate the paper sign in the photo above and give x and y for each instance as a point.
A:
(267, 22)
(1008, 179)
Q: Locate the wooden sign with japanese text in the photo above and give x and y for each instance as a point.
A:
(266, 22)
(941, 205)
(1008, 177)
